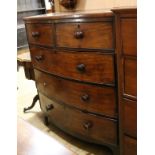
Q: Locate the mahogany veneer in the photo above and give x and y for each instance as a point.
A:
(130, 146)
(41, 34)
(82, 66)
(78, 35)
(80, 124)
(126, 49)
(86, 88)
(101, 100)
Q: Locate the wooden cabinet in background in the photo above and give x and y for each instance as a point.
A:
(126, 49)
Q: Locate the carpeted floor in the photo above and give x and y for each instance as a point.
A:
(26, 92)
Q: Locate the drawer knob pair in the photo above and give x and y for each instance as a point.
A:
(79, 34)
(39, 57)
(49, 107)
(87, 125)
(35, 34)
(81, 68)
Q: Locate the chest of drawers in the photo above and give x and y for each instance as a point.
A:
(75, 66)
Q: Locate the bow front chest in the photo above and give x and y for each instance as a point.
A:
(75, 64)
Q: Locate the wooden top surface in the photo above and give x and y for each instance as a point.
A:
(124, 9)
(83, 14)
(73, 14)
(31, 141)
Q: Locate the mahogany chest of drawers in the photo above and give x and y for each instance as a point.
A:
(76, 71)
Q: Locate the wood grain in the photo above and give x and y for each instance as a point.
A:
(96, 35)
(129, 36)
(102, 130)
(99, 68)
(130, 77)
(45, 36)
(126, 49)
(100, 100)
(130, 117)
(130, 146)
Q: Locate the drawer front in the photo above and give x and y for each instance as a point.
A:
(130, 117)
(130, 77)
(130, 146)
(97, 35)
(129, 36)
(83, 125)
(40, 34)
(84, 96)
(83, 66)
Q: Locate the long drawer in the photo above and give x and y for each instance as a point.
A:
(87, 97)
(97, 35)
(82, 66)
(82, 125)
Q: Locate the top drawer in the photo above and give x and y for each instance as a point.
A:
(40, 34)
(97, 35)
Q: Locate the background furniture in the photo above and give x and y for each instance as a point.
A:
(86, 5)
(126, 49)
(77, 70)
(68, 4)
(24, 60)
(27, 8)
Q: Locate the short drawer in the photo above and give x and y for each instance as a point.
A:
(40, 34)
(82, 66)
(82, 125)
(86, 97)
(130, 117)
(97, 35)
(130, 146)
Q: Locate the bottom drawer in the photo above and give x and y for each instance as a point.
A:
(86, 126)
(130, 146)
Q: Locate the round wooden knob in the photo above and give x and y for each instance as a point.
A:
(87, 125)
(35, 34)
(85, 97)
(49, 107)
(79, 34)
(45, 84)
(39, 57)
(81, 68)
